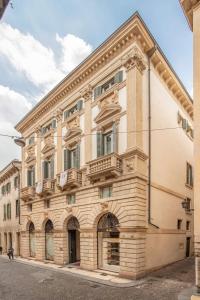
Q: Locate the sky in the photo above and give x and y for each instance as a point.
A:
(41, 41)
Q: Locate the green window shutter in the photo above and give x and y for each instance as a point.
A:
(29, 178)
(99, 144)
(45, 169)
(97, 92)
(53, 124)
(33, 176)
(79, 105)
(115, 138)
(78, 156)
(67, 162)
(66, 114)
(4, 211)
(52, 168)
(184, 124)
(43, 130)
(118, 77)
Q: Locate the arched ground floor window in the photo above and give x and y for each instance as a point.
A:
(32, 240)
(49, 240)
(108, 245)
(73, 240)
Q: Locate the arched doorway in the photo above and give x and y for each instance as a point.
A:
(49, 241)
(32, 239)
(108, 243)
(73, 240)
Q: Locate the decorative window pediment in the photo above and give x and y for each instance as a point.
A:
(73, 132)
(30, 155)
(49, 146)
(109, 106)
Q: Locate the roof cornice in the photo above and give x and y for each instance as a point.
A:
(10, 169)
(134, 29)
(188, 7)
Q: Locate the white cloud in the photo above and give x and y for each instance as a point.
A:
(37, 62)
(74, 50)
(13, 106)
(29, 56)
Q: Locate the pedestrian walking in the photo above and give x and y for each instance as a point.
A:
(11, 253)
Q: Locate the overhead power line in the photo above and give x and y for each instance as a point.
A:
(119, 132)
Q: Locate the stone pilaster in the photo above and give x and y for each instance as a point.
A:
(135, 66)
(59, 141)
(38, 154)
(132, 253)
(87, 96)
(59, 249)
(40, 245)
(88, 249)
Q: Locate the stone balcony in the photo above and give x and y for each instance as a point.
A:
(27, 193)
(48, 187)
(74, 179)
(106, 166)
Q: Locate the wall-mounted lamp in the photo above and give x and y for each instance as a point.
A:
(20, 142)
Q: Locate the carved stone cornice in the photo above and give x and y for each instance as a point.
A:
(133, 30)
(134, 60)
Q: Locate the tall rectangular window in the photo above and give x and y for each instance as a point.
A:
(107, 142)
(9, 211)
(48, 169)
(71, 199)
(72, 158)
(4, 212)
(17, 208)
(16, 182)
(189, 175)
(31, 176)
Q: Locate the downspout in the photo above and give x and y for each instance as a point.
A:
(150, 53)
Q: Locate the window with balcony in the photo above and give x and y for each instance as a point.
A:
(71, 199)
(99, 90)
(105, 192)
(48, 127)
(107, 142)
(189, 175)
(77, 107)
(72, 158)
(31, 176)
(48, 169)
(17, 208)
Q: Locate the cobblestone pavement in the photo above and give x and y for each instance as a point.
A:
(25, 282)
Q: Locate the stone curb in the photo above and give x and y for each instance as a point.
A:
(133, 283)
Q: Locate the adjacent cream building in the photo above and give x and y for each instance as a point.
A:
(192, 12)
(10, 207)
(107, 178)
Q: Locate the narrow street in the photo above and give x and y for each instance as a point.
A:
(20, 281)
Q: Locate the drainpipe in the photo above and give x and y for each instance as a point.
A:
(150, 53)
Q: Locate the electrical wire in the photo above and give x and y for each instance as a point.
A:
(87, 134)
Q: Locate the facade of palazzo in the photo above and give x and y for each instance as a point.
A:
(10, 207)
(107, 177)
(192, 13)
